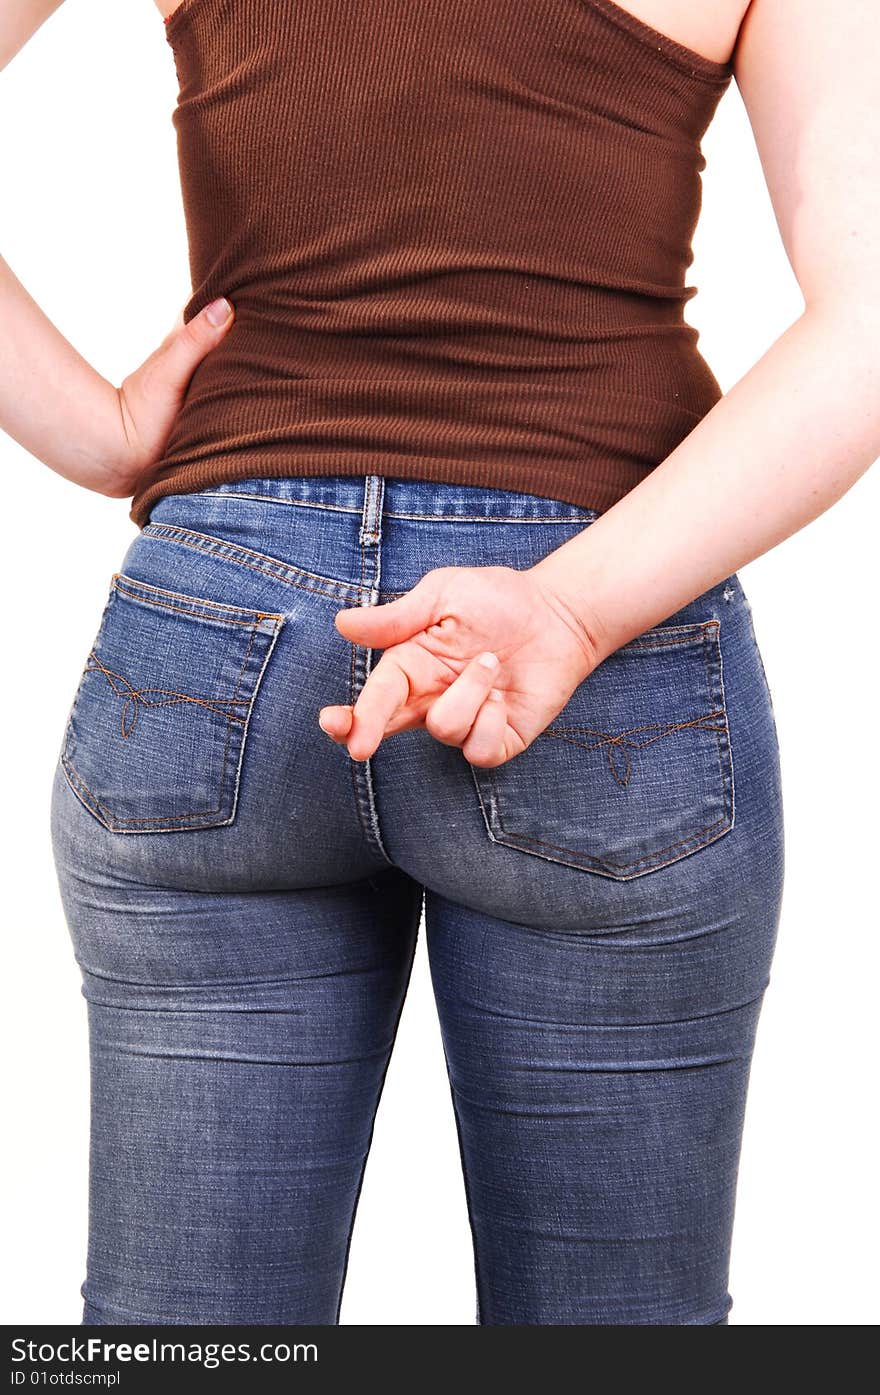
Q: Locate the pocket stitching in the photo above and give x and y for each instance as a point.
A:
(606, 862)
(174, 697)
(609, 740)
(235, 553)
(94, 805)
(193, 813)
(123, 583)
(711, 640)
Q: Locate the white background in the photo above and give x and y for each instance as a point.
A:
(92, 223)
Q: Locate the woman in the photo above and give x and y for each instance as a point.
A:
(433, 460)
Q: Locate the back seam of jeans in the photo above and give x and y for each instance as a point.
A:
(370, 540)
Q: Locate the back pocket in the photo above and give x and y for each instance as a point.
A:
(155, 739)
(636, 770)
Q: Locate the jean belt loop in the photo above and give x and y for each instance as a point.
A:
(370, 537)
(371, 515)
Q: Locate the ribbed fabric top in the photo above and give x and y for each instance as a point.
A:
(456, 235)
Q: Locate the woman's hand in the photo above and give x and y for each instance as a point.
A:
(483, 657)
(150, 398)
(67, 414)
(52, 401)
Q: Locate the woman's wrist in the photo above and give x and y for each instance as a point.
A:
(563, 580)
(771, 455)
(61, 410)
(117, 456)
(569, 581)
(615, 589)
(91, 445)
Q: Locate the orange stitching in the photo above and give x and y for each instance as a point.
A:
(606, 862)
(180, 610)
(241, 673)
(134, 586)
(661, 643)
(192, 813)
(76, 779)
(132, 697)
(621, 742)
(725, 770)
(156, 530)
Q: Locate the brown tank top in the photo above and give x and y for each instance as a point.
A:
(456, 235)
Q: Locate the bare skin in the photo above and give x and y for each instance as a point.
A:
(788, 440)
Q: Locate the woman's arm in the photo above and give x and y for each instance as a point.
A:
(51, 400)
(803, 425)
(780, 448)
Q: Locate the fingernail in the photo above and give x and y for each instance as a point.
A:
(496, 695)
(322, 723)
(487, 660)
(218, 312)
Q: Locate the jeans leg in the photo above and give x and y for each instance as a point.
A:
(599, 1101)
(239, 1045)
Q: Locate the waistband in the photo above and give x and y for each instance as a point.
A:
(404, 498)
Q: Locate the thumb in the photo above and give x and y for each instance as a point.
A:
(187, 344)
(392, 622)
(154, 390)
(150, 397)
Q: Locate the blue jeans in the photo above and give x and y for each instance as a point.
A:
(244, 900)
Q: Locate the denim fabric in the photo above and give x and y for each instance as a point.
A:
(244, 901)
